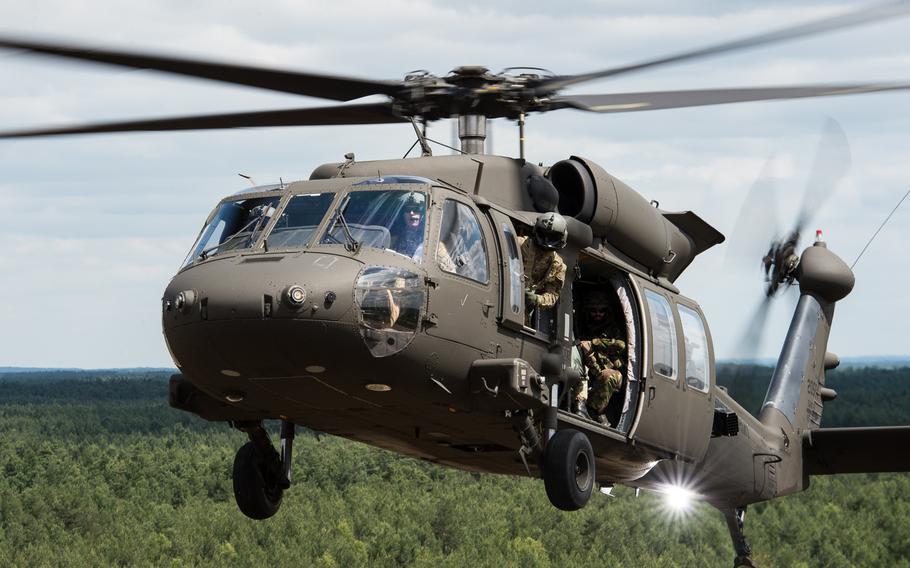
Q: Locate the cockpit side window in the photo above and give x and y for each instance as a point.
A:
(235, 226)
(697, 359)
(461, 248)
(299, 220)
(663, 335)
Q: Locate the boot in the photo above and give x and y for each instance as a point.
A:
(580, 408)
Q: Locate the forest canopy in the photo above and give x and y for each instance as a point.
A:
(98, 470)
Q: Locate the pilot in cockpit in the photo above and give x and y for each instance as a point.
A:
(407, 233)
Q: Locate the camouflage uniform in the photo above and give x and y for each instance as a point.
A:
(603, 353)
(545, 272)
(604, 356)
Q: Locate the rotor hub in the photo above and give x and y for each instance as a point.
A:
(780, 263)
(468, 90)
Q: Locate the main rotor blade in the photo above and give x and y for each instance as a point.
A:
(377, 113)
(862, 16)
(298, 83)
(659, 100)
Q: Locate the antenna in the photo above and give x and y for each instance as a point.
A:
(880, 227)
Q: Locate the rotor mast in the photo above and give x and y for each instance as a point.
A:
(472, 132)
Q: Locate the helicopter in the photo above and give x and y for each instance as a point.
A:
(296, 304)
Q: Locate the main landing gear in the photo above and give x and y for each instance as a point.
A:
(568, 470)
(261, 474)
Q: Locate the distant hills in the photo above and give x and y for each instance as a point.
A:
(125, 370)
(884, 361)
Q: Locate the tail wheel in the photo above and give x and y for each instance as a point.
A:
(569, 470)
(256, 497)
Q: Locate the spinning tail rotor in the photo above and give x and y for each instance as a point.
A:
(780, 263)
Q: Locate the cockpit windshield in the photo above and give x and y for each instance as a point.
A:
(298, 220)
(235, 226)
(393, 220)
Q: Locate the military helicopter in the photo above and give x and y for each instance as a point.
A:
(311, 303)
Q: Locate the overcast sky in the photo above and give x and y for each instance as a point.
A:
(95, 226)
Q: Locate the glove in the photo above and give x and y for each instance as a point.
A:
(531, 297)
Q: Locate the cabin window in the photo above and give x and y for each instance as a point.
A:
(697, 361)
(235, 226)
(516, 294)
(299, 220)
(461, 248)
(663, 335)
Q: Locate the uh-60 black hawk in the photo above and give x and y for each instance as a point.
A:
(384, 301)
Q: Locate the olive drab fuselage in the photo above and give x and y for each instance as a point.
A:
(431, 354)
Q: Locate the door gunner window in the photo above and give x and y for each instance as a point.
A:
(461, 248)
(697, 361)
(663, 335)
(516, 295)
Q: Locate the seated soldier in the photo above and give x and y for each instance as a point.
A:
(604, 353)
(544, 270)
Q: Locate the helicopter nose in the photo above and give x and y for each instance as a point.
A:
(218, 309)
(296, 286)
(300, 331)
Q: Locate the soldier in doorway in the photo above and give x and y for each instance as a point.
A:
(603, 352)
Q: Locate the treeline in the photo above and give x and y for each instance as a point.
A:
(866, 396)
(98, 471)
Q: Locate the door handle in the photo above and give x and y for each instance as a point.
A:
(486, 308)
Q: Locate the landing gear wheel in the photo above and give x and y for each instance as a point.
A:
(257, 497)
(569, 470)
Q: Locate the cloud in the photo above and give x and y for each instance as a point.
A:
(99, 224)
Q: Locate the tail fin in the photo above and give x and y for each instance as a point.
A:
(794, 399)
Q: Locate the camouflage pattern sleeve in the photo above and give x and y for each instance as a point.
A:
(548, 290)
(610, 346)
(592, 362)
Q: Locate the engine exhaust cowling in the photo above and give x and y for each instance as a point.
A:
(665, 243)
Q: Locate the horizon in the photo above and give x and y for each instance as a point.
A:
(844, 362)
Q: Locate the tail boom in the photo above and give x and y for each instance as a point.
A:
(794, 399)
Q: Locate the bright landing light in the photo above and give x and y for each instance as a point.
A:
(678, 499)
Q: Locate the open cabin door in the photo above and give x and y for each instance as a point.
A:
(596, 275)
